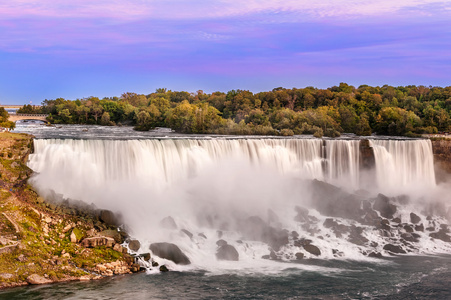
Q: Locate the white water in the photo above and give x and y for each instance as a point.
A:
(403, 165)
(208, 185)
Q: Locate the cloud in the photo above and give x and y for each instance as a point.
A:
(210, 9)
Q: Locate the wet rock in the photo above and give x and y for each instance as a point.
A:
(384, 224)
(221, 243)
(394, 249)
(299, 255)
(163, 268)
(355, 236)
(134, 245)
(408, 228)
(375, 254)
(254, 228)
(332, 201)
(145, 256)
(135, 268)
(295, 235)
(37, 279)
(97, 241)
(409, 237)
(419, 227)
(189, 234)
(329, 223)
(155, 264)
(383, 205)
(414, 218)
(171, 252)
(168, 223)
(202, 235)
(312, 249)
(441, 235)
(227, 252)
(397, 220)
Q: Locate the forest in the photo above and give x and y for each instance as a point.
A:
(386, 110)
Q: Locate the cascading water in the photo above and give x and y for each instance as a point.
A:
(404, 164)
(256, 194)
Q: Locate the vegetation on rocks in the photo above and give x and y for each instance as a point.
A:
(41, 242)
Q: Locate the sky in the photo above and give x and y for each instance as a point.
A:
(81, 48)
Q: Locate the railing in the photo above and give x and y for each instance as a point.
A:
(32, 115)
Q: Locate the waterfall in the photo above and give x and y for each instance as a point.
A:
(404, 163)
(220, 188)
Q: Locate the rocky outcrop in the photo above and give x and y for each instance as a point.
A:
(171, 252)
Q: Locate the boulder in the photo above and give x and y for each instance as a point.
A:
(383, 205)
(419, 227)
(134, 245)
(312, 249)
(116, 235)
(414, 218)
(163, 268)
(394, 249)
(221, 243)
(441, 235)
(299, 255)
(168, 223)
(109, 218)
(171, 252)
(302, 215)
(37, 279)
(254, 228)
(97, 241)
(227, 252)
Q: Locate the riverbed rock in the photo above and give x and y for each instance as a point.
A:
(383, 204)
(312, 249)
(227, 252)
(299, 255)
(37, 279)
(134, 245)
(441, 235)
(163, 268)
(414, 218)
(394, 249)
(171, 252)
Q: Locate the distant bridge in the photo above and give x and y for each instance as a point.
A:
(20, 117)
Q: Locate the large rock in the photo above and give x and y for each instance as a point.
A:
(312, 249)
(441, 235)
(118, 238)
(37, 279)
(134, 245)
(171, 252)
(332, 201)
(383, 205)
(110, 218)
(254, 228)
(414, 218)
(227, 252)
(394, 249)
(98, 241)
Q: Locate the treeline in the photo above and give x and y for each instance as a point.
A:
(4, 122)
(387, 110)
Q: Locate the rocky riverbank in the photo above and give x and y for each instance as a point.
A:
(42, 243)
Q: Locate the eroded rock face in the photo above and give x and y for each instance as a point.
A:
(171, 252)
(227, 252)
